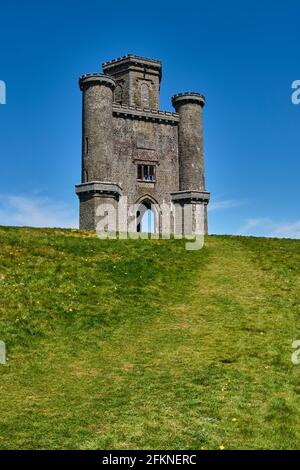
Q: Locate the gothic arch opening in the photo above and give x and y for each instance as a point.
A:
(147, 216)
(118, 94)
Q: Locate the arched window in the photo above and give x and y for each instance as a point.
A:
(147, 216)
(118, 96)
(145, 102)
(147, 222)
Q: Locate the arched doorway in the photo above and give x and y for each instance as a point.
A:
(147, 216)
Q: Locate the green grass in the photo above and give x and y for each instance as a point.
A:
(143, 345)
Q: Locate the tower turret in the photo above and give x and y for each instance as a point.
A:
(97, 147)
(137, 80)
(192, 189)
(190, 141)
(97, 126)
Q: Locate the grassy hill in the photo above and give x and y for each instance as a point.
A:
(141, 344)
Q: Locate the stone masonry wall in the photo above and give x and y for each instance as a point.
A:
(144, 142)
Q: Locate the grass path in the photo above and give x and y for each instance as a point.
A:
(144, 345)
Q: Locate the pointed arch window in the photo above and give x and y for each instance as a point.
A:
(147, 216)
(118, 95)
(145, 100)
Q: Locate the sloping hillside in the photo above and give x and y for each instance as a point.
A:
(141, 344)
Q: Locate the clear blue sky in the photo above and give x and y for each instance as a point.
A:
(242, 55)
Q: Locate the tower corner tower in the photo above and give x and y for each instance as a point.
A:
(97, 147)
(192, 188)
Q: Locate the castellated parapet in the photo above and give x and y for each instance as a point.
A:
(132, 148)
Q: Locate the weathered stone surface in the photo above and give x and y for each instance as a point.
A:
(138, 80)
(190, 141)
(123, 128)
(97, 135)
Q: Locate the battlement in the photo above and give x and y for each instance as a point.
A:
(131, 56)
(135, 59)
(145, 113)
(133, 62)
(93, 78)
(188, 97)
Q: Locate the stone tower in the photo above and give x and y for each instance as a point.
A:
(131, 148)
